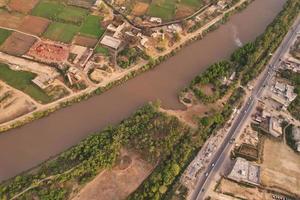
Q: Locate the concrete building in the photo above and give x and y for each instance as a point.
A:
(156, 20)
(244, 171)
(111, 42)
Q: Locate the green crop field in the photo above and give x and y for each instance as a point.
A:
(49, 10)
(21, 80)
(192, 3)
(4, 34)
(61, 32)
(91, 26)
(165, 9)
(73, 14)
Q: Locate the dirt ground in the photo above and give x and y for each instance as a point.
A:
(207, 89)
(10, 20)
(12, 104)
(183, 11)
(140, 8)
(119, 182)
(85, 41)
(23, 6)
(34, 25)
(242, 192)
(280, 170)
(17, 44)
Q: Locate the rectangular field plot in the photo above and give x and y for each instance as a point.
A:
(17, 44)
(21, 80)
(164, 9)
(34, 25)
(23, 6)
(91, 27)
(4, 34)
(192, 3)
(10, 20)
(61, 32)
(71, 14)
(48, 9)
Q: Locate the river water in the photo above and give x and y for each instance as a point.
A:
(26, 147)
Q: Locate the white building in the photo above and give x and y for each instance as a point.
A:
(156, 20)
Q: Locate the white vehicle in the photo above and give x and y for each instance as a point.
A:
(213, 164)
(206, 174)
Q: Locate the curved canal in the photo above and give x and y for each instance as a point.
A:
(26, 147)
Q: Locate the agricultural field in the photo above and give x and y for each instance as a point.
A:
(164, 9)
(22, 6)
(61, 32)
(10, 20)
(4, 34)
(34, 25)
(91, 27)
(85, 41)
(21, 80)
(17, 44)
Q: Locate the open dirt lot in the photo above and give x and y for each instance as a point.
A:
(17, 44)
(34, 25)
(280, 168)
(13, 104)
(23, 6)
(119, 182)
(10, 20)
(85, 41)
(242, 192)
(207, 89)
(140, 8)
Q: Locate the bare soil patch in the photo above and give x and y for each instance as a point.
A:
(207, 89)
(3, 3)
(119, 182)
(243, 192)
(10, 20)
(17, 44)
(23, 6)
(183, 11)
(140, 8)
(34, 25)
(280, 168)
(85, 41)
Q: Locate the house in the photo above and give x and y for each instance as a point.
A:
(274, 127)
(156, 20)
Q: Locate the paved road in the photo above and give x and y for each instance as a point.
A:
(222, 153)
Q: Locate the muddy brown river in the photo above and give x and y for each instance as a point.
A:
(26, 147)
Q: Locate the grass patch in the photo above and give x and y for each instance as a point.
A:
(21, 80)
(49, 10)
(4, 34)
(71, 14)
(91, 27)
(102, 50)
(61, 32)
(164, 10)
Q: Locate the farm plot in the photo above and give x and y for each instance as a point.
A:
(85, 41)
(23, 6)
(61, 32)
(81, 3)
(34, 25)
(10, 20)
(164, 9)
(4, 34)
(17, 44)
(91, 27)
(59, 12)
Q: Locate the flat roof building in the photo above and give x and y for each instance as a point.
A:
(111, 42)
